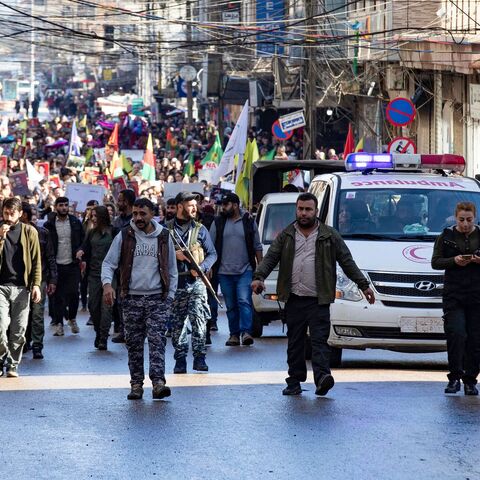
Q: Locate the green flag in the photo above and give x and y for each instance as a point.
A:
(189, 168)
(269, 156)
(215, 153)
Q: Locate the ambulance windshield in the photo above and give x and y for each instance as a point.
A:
(398, 213)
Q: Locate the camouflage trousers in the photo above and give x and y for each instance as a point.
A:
(145, 316)
(190, 303)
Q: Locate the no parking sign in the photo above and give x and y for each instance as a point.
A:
(400, 112)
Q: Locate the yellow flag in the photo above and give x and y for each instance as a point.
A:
(83, 122)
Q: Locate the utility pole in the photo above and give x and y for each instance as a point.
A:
(310, 87)
(32, 55)
(189, 82)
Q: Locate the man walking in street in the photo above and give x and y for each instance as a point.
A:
(125, 201)
(191, 298)
(20, 276)
(48, 286)
(144, 254)
(238, 247)
(67, 234)
(308, 252)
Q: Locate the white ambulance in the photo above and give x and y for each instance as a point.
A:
(389, 210)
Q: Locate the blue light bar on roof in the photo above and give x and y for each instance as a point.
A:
(367, 161)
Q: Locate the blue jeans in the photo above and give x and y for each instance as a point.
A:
(238, 299)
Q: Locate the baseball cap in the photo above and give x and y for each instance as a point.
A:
(185, 197)
(230, 197)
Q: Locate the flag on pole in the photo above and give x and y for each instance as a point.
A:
(116, 169)
(126, 167)
(23, 125)
(83, 122)
(215, 153)
(113, 140)
(189, 168)
(75, 142)
(242, 185)
(148, 171)
(360, 146)
(4, 127)
(349, 143)
(236, 145)
(269, 155)
(34, 176)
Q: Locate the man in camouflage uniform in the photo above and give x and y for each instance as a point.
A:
(191, 297)
(144, 254)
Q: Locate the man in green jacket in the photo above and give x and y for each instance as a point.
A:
(308, 252)
(20, 276)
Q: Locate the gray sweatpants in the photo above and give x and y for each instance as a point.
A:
(14, 309)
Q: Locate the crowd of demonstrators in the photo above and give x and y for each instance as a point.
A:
(104, 257)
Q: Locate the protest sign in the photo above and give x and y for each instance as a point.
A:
(135, 155)
(19, 183)
(79, 194)
(171, 190)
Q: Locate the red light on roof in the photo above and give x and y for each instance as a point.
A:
(455, 163)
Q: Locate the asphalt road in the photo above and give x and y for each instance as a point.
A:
(386, 418)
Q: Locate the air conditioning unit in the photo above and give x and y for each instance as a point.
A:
(395, 78)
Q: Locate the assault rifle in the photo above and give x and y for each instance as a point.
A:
(181, 246)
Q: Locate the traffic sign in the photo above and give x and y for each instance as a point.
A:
(402, 145)
(279, 134)
(292, 120)
(188, 73)
(401, 112)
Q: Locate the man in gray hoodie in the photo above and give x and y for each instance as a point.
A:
(144, 254)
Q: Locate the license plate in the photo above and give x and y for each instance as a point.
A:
(421, 325)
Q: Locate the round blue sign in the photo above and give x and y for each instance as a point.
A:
(279, 134)
(400, 112)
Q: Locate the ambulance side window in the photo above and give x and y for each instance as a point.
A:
(324, 206)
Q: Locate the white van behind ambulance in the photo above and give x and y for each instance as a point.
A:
(389, 209)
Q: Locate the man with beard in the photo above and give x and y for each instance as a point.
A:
(191, 297)
(67, 234)
(171, 209)
(308, 251)
(20, 276)
(145, 257)
(125, 201)
(238, 247)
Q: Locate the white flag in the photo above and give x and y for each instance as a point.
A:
(236, 145)
(33, 176)
(4, 127)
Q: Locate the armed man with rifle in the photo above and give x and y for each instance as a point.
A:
(196, 255)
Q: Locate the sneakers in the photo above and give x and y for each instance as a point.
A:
(160, 391)
(324, 385)
(247, 339)
(453, 386)
(136, 392)
(12, 372)
(233, 341)
(74, 326)
(292, 389)
(118, 338)
(468, 388)
(102, 344)
(89, 322)
(213, 326)
(199, 364)
(59, 330)
(37, 353)
(180, 365)
(168, 333)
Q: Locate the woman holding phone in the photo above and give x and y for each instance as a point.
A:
(457, 251)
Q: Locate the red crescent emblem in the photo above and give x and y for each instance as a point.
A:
(410, 253)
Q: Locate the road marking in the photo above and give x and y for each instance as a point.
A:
(92, 382)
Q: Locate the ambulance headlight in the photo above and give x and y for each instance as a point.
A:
(346, 289)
